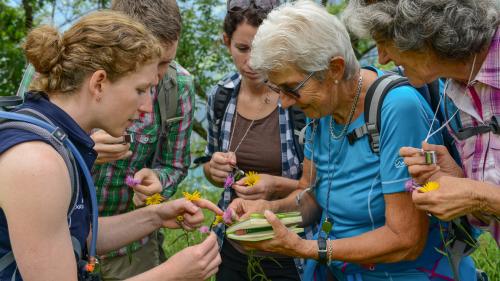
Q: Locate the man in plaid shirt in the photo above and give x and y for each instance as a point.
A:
(159, 166)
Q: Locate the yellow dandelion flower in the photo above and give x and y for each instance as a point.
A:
(251, 178)
(192, 197)
(430, 186)
(154, 199)
(218, 219)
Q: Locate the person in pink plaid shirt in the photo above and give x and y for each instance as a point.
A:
(460, 41)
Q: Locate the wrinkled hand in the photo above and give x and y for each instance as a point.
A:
(263, 189)
(195, 263)
(190, 211)
(221, 164)
(422, 172)
(244, 208)
(149, 185)
(109, 148)
(285, 242)
(455, 197)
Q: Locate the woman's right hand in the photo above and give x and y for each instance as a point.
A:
(219, 167)
(422, 172)
(197, 262)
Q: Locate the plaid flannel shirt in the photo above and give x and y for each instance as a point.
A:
(478, 103)
(219, 141)
(113, 195)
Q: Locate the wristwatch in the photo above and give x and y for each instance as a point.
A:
(322, 251)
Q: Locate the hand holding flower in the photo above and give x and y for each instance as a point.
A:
(454, 197)
(255, 186)
(145, 183)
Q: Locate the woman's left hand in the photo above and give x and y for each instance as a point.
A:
(263, 189)
(284, 242)
(454, 197)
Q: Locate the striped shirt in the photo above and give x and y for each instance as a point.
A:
(219, 141)
(114, 196)
(479, 103)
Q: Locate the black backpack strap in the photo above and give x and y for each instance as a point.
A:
(374, 100)
(56, 140)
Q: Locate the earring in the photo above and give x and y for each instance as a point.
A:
(336, 81)
(267, 99)
(98, 98)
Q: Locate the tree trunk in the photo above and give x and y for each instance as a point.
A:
(28, 14)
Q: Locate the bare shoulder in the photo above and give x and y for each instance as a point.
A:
(31, 172)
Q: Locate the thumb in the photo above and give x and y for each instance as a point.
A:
(274, 221)
(209, 242)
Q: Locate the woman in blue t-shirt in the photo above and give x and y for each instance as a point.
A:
(85, 79)
(369, 228)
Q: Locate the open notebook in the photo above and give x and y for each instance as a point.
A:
(257, 228)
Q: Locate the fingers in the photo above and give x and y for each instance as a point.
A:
(206, 204)
(221, 165)
(208, 246)
(192, 222)
(407, 151)
(274, 221)
(139, 199)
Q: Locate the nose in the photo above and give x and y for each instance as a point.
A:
(146, 103)
(383, 56)
(287, 101)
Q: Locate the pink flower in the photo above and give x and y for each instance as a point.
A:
(410, 185)
(204, 229)
(228, 216)
(229, 181)
(131, 182)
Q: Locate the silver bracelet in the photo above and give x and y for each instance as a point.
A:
(299, 196)
(329, 244)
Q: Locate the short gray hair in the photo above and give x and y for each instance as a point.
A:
(453, 29)
(304, 35)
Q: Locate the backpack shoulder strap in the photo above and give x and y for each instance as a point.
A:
(298, 123)
(168, 100)
(56, 140)
(373, 106)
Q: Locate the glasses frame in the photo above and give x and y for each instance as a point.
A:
(294, 93)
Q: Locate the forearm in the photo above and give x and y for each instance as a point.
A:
(286, 204)
(284, 186)
(378, 246)
(118, 231)
(489, 197)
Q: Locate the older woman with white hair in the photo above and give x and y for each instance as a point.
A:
(370, 230)
(461, 42)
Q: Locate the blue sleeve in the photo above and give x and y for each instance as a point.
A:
(406, 118)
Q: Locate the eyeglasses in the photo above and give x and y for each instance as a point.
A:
(242, 5)
(294, 93)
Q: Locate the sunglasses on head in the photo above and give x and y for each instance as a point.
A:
(241, 5)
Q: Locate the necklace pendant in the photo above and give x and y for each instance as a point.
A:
(267, 100)
(327, 226)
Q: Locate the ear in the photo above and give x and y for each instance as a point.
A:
(337, 68)
(96, 83)
(226, 39)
